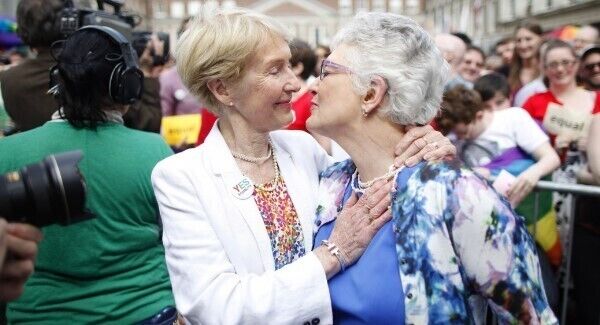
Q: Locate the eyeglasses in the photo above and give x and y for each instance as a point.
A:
(592, 66)
(340, 69)
(564, 63)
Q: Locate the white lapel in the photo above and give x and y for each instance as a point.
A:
(300, 191)
(224, 167)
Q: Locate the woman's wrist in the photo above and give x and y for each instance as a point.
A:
(330, 263)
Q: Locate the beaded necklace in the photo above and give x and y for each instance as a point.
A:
(363, 186)
(254, 160)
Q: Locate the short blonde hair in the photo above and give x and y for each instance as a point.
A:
(220, 48)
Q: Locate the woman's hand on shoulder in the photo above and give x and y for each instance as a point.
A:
(423, 142)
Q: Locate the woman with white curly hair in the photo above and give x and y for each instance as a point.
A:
(453, 243)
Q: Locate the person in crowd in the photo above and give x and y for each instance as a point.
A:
(563, 111)
(18, 249)
(525, 65)
(146, 114)
(303, 63)
(537, 85)
(586, 36)
(174, 97)
(453, 241)
(586, 235)
(561, 65)
(590, 68)
(111, 268)
(24, 87)
(464, 37)
(505, 48)
(472, 64)
(493, 63)
(453, 50)
(495, 138)
(322, 52)
(238, 211)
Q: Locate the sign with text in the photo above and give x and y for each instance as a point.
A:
(565, 122)
(181, 129)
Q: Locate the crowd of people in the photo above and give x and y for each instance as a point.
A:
(391, 152)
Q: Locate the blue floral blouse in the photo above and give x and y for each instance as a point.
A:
(459, 245)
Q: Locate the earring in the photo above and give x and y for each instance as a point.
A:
(364, 112)
(230, 103)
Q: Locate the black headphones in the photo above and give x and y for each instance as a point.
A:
(126, 79)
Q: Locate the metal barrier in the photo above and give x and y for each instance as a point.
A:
(575, 190)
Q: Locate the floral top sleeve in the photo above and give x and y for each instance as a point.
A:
(459, 245)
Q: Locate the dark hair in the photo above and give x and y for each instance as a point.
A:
(459, 105)
(591, 50)
(488, 85)
(38, 21)
(503, 41)
(303, 53)
(85, 64)
(514, 76)
(476, 49)
(557, 44)
(464, 37)
(325, 48)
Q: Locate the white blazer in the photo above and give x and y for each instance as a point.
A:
(217, 249)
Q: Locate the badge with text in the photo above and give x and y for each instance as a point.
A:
(566, 122)
(244, 189)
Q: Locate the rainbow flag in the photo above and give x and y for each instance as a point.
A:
(542, 224)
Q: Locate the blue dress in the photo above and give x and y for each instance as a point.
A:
(369, 291)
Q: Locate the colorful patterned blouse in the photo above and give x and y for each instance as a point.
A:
(281, 221)
(458, 244)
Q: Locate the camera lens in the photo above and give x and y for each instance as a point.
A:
(48, 192)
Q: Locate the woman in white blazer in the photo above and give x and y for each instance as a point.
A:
(238, 211)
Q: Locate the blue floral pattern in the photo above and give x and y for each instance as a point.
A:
(459, 244)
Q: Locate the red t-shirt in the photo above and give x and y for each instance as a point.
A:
(301, 108)
(537, 105)
(208, 119)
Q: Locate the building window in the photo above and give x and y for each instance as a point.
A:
(194, 8)
(228, 4)
(160, 9)
(379, 5)
(210, 8)
(396, 6)
(177, 9)
(345, 7)
(362, 5)
(413, 7)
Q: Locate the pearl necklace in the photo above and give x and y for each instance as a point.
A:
(254, 160)
(362, 187)
(274, 182)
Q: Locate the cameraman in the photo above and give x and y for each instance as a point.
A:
(18, 249)
(24, 87)
(146, 113)
(110, 269)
